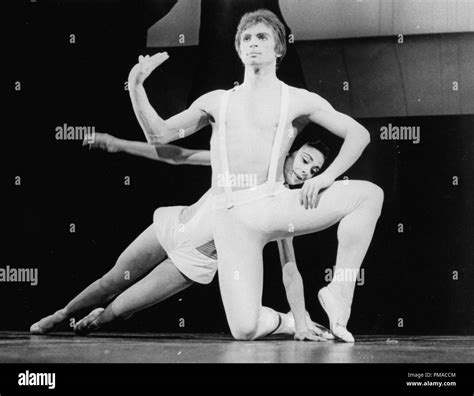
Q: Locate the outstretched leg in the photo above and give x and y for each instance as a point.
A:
(161, 283)
(143, 254)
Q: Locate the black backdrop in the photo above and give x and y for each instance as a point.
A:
(408, 275)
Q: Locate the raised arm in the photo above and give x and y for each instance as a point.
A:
(155, 128)
(294, 290)
(168, 153)
(355, 136)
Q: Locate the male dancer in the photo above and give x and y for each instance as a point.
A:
(252, 138)
(181, 235)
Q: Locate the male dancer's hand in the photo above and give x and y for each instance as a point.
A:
(311, 188)
(146, 64)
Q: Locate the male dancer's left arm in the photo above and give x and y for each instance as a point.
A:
(355, 136)
(294, 288)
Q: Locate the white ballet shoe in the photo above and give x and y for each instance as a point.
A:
(343, 334)
(36, 329)
(338, 316)
(47, 324)
(86, 324)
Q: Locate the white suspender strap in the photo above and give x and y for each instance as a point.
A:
(223, 149)
(277, 141)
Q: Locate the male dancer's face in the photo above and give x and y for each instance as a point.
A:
(303, 164)
(257, 45)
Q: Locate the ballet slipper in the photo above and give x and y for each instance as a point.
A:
(338, 316)
(36, 329)
(47, 324)
(87, 324)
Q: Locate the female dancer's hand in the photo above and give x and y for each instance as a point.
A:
(318, 329)
(146, 64)
(307, 335)
(103, 141)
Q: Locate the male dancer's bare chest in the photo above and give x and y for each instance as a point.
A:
(251, 124)
(253, 113)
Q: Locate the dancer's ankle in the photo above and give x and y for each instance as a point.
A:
(342, 292)
(288, 323)
(62, 314)
(337, 309)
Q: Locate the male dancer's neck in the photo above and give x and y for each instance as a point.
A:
(261, 77)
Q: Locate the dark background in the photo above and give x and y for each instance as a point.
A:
(408, 275)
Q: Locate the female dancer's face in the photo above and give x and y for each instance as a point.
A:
(307, 162)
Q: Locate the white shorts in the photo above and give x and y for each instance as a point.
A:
(183, 244)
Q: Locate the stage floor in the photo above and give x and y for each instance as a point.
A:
(21, 347)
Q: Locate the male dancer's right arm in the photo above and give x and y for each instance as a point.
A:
(155, 128)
